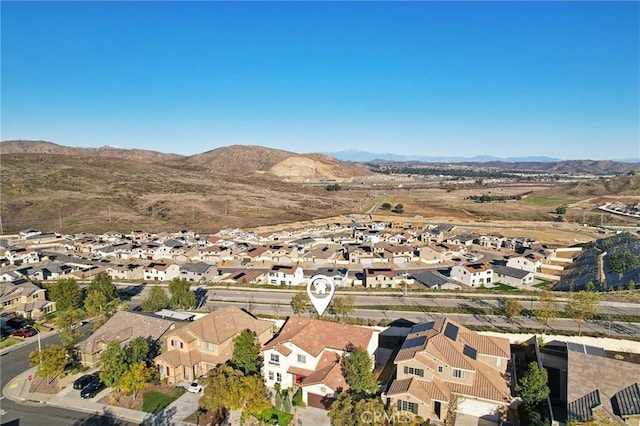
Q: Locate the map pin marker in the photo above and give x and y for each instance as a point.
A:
(319, 293)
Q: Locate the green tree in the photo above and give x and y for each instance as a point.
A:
(358, 371)
(582, 306)
(182, 297)
(254, 394)
(385, 206)
(548, 309)
(398, 208)
(113, 364)
(99, 307)
(354, 410)
(50, 361)
(512, 308)
(103, 283)
(223, 390)
(137, 350)
(532, 386)
(66, 293)
(300, 303)
(155, 300)
(561, 210)
(69, 334)
(343, 305)
(631, 285)
(135, 379)
(246, 353)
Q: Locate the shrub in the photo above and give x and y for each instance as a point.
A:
(297, 399)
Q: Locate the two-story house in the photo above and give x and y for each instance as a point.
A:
(129, 271)
(380, 278)
(25, 298)
(512, 276)
(531, 262)
(191, 351)
(161, 271)
(200, 272)
(285, 275)
(339, 276)
(441, 361)
(122, 327)
(21, 256)
(307, 353)
(473, 274)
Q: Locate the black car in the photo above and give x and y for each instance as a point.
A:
(83, 381)
(92, 388)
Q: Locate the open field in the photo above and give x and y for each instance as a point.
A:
(71, 194)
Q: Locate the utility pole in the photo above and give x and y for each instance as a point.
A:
(109, 213)
(1, 228)
(60, 220)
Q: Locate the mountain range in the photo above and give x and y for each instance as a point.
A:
(365, 156)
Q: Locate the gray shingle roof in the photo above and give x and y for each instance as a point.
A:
(627, 402)
(510, 272)
(580, 409)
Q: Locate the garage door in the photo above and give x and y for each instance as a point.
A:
(319, 401)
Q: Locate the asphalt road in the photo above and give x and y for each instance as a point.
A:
(614, 329)
(33, 414)
(397, 299)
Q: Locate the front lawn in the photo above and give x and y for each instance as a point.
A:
(271, 416)
(154, 401)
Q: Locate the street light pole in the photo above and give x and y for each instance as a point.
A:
(39, 346)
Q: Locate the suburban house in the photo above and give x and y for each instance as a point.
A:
(473, 274)
(590, 386)
(25, 298)
(440, 361)
(285, 275)
(307, 353)
(200, 272)
(434, 280)
(512, 276)
(492, 241)
(192, 350)
(339, 276)
(161, 271)
(122, 327)
(397, 253)
(21, 256)
(381, 278)
(461, 240)
(530, 262)
(130, 271)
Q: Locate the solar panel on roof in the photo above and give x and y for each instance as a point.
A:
(451, 331)
(592, 350)
(422, 327)
(412, 343)
(470, 352)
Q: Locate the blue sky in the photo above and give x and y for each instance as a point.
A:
(560, 79)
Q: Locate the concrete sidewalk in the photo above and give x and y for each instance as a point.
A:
(18, 390)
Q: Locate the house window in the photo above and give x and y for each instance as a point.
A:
(408, 406)
(302, 359)
(457, 373)
(278, 377)
(209, 346)
(270, 375)
(414, 371)
(440, 369)
(323, 390)
(275, 358)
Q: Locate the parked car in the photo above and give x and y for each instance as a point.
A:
(195, 387)
(92, 389)
(18, 322)
(25, 332)
(83, 381)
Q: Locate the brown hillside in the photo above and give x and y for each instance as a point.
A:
(44, 147)
(247, 159)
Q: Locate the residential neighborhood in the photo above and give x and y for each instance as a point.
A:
(437, 371)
